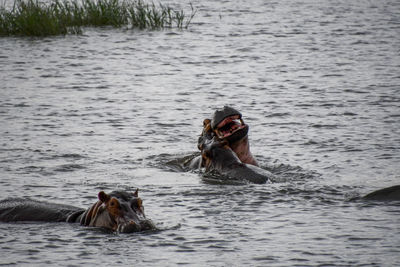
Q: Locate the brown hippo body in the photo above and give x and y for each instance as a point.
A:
(118, 211)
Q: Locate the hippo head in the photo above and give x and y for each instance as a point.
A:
(216, 154)
(118, 211)
(227, 124)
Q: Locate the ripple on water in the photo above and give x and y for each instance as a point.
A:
(316, 82)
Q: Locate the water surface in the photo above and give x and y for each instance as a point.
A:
(317, 81)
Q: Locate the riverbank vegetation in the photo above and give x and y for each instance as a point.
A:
(60, 17)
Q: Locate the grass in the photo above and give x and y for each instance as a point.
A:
(60, 17)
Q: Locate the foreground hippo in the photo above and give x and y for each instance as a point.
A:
(118, 211)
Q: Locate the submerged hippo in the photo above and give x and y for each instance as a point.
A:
(385, 194)
(118, 211)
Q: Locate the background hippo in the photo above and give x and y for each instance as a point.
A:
(118, 211)
(385, 194)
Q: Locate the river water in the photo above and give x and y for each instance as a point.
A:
(317, 81)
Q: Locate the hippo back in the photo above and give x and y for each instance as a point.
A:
(385, 194)
(21, 209)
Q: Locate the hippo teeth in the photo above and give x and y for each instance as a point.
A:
(229, 126)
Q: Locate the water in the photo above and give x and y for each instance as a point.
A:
(317, 81)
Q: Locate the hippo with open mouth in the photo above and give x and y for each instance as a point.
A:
(118, 211)
(228, 125)
(225, 148)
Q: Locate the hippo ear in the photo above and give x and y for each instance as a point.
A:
(103, 197)
(136, 194)
(206, 122)
(207, 126)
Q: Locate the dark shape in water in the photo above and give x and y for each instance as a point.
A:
(217, 156)
(388, 193)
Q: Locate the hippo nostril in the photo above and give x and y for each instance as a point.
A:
(129, 227)
(147, 225)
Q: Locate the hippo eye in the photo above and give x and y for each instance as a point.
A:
(114, 203)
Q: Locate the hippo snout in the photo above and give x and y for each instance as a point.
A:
(147, 225)
(132, 226)
(129, 227)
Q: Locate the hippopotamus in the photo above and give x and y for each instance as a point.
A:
(225, 148)
(385, 194)
(218, 156)
(228, 125)
(118, 211)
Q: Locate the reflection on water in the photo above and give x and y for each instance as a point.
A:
(318, 83)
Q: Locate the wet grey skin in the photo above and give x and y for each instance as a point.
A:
(217, 156)
(385, 194)
(221, 114)
(118, 211)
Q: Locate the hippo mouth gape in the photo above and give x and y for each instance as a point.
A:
(228, 126)
(232, 128)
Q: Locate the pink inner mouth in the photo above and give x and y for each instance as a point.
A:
(229, 126)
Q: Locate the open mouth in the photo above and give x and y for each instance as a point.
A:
(230, 126)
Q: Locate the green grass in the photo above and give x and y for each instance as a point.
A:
(60, 17)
